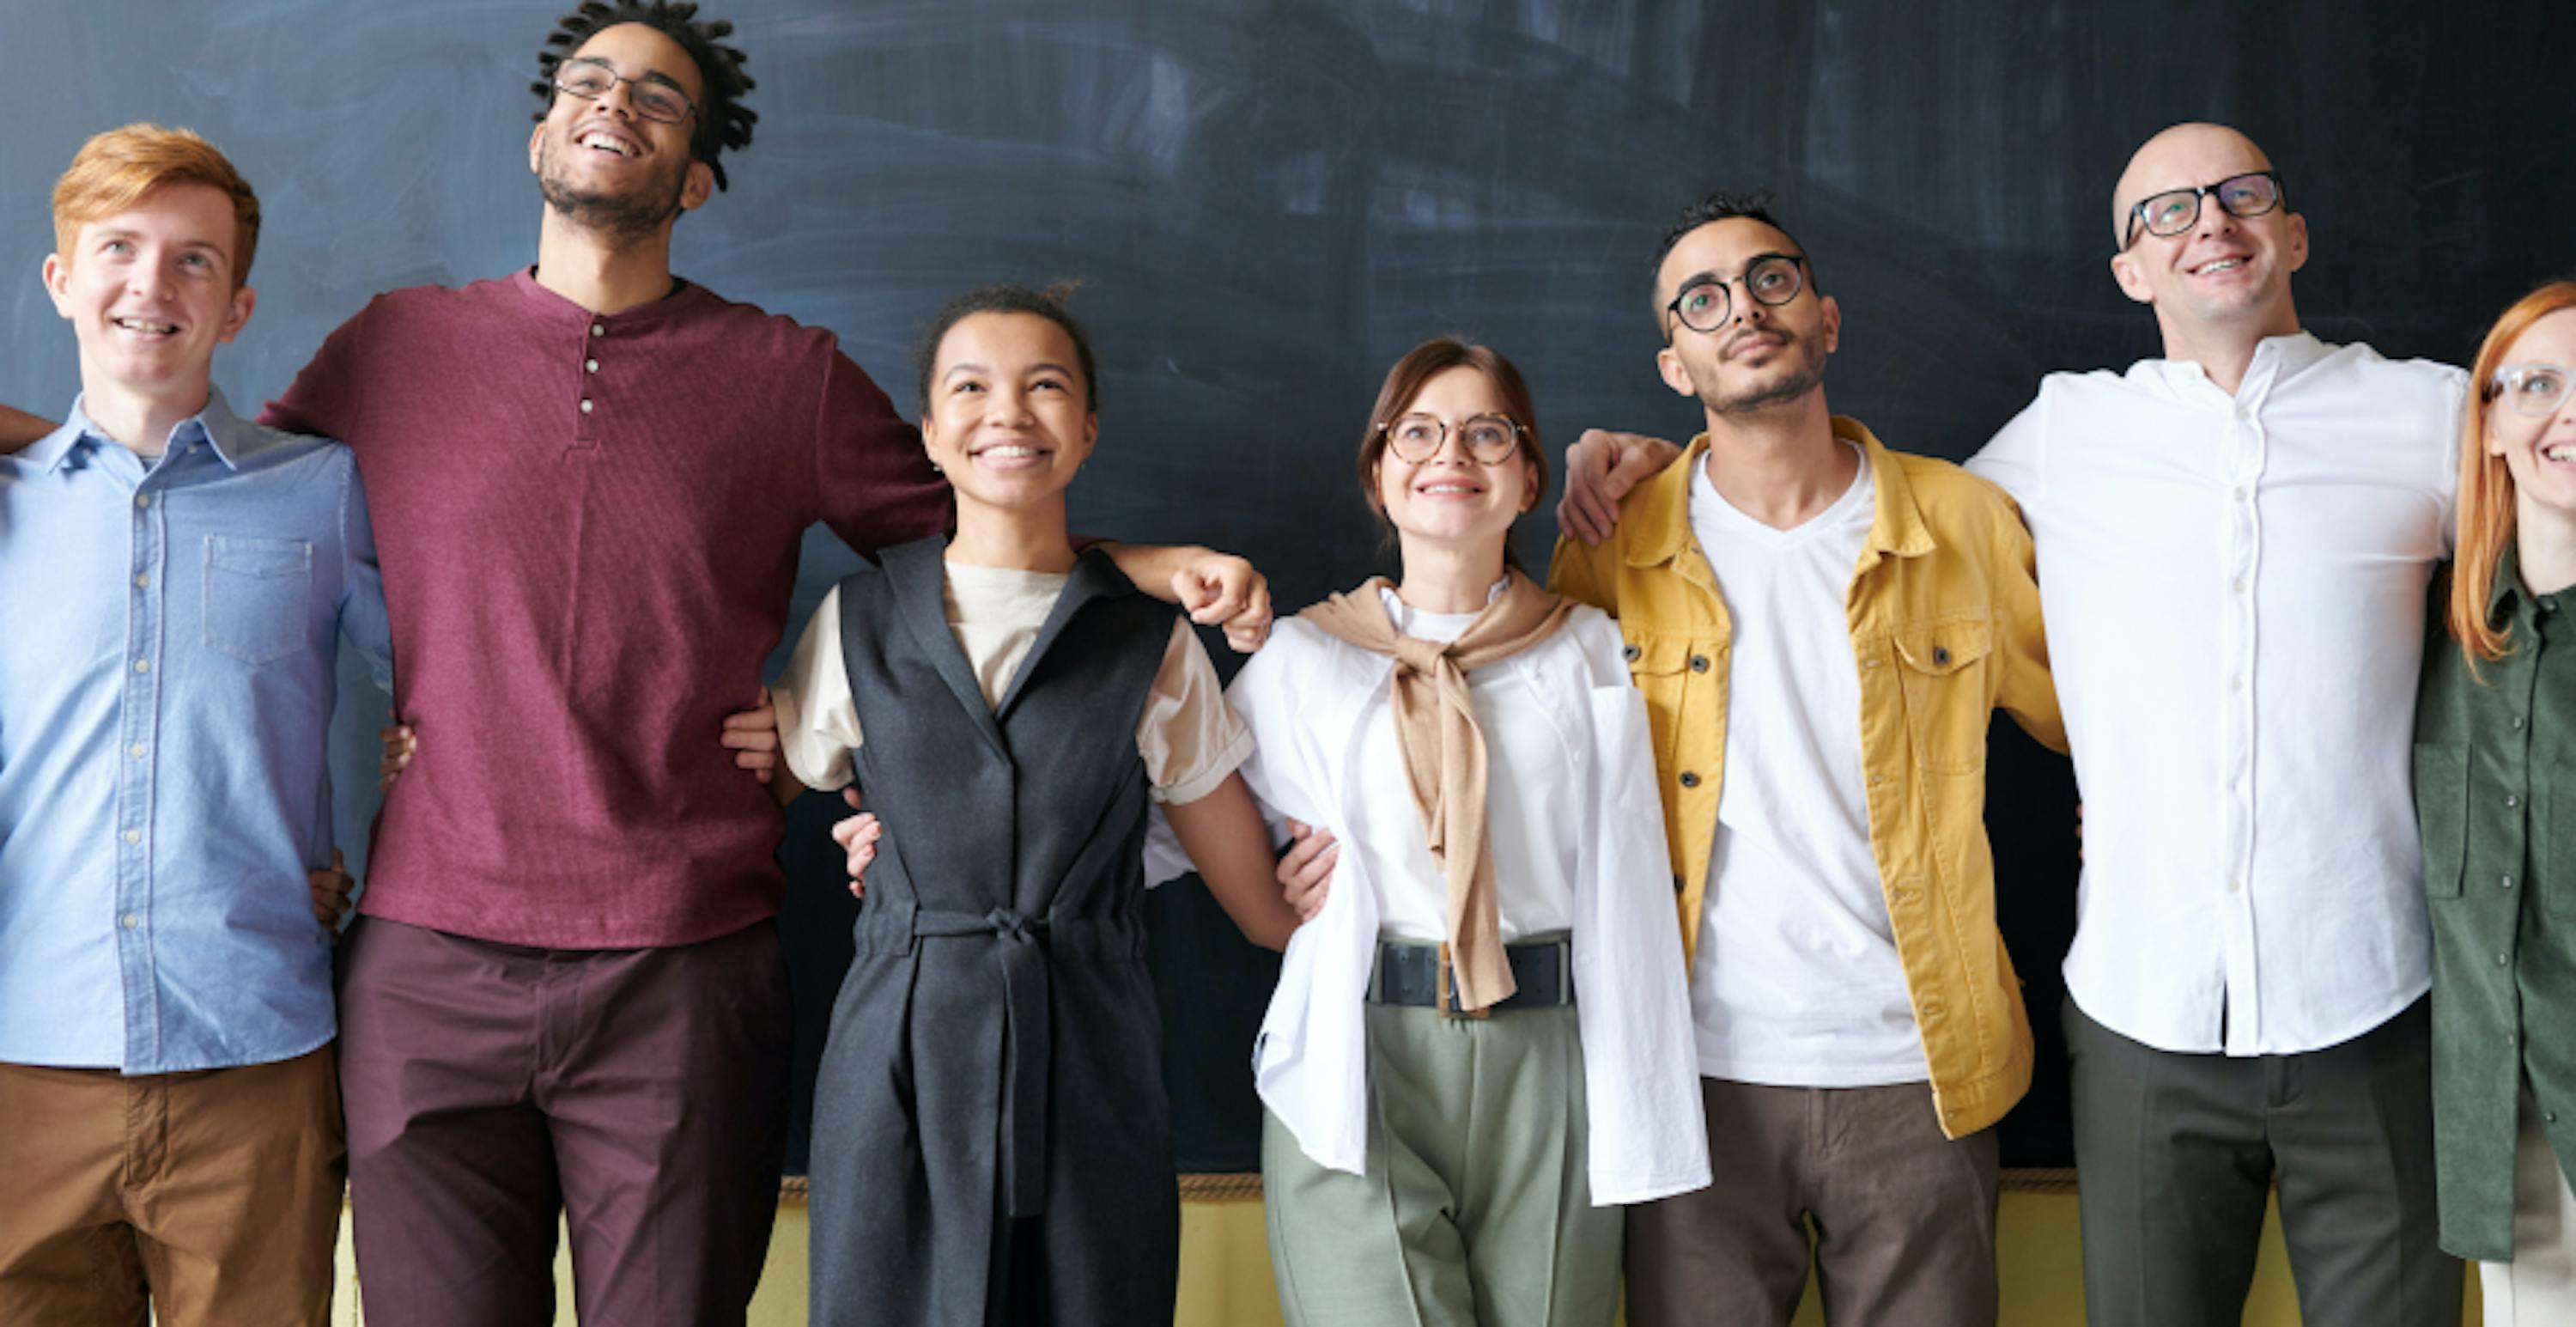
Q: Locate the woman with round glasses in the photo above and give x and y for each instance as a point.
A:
(2495, 791)
(1482, 1043)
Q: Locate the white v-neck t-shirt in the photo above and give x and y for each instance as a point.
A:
(1798, 982)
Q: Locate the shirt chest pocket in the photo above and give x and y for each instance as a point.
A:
(2442, 813)
(1941, 669)
(257, 597)
(1664, 667)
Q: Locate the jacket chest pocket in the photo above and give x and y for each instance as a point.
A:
(1664, 667)
(2557, 829)
(257, 596)
(1942, 671)
(2442, 814)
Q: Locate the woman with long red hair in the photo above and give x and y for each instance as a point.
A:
(2495, 789)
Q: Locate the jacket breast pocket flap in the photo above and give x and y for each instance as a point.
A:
(1947, 699)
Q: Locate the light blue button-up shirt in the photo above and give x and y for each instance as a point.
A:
(167, 632)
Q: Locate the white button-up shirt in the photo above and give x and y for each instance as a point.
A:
(1310, 700)
(2234, 588)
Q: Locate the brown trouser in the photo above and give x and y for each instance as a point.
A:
(1904, 1217)
(641, 1093)
(214, 1195)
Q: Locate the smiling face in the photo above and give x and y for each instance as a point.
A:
(1762, 356)
(2226, 269)
(604, 166)
(2540, 453)
(149, 293)
(1451, 500)
(1009, 416)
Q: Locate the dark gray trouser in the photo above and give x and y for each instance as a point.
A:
(2176, 1153)
(1904, 1217)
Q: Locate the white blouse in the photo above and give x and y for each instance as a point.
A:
(1579, 840)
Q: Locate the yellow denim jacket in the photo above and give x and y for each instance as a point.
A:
(1945, 628)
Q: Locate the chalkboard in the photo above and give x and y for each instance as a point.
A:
(1269, 202)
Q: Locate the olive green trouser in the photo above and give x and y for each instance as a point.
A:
(1476, 1209)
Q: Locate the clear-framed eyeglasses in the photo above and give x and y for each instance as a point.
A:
(590, 79)
(1772, 279)
(2533, 391)
(1416, 438)
(2174, 211)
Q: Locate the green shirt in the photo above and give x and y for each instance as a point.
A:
(2495, 788)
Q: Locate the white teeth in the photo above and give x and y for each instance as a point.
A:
(2223, 264)
(1011, 451)
(604, 141)
(2561, 452)
(138, 325)
(1449, 488)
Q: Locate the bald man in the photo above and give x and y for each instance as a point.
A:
(2234, 542)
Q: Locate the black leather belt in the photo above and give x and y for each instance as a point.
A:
(1418, 976)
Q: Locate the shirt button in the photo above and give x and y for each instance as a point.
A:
(2506, 883)
(134, 836)
(2511, 801)
(143, 665)
(143, 580)
(2549, 1115)
(2517, 723)
(2240, 493)
(130, 921)
(2504, 962)
(1699, 663)
(1677, 884)
(590, 366)
(2235, 886)
(136, 750)
(142, 499)
(1869, 663)
(1689, 780)
(585, 405)
(1940, 656)
(598, 329)
(1631, 653)
(2236, 684)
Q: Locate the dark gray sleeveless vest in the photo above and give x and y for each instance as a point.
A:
(991, 1139)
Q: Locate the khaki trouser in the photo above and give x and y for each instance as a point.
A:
(1477, 1206)
(214, 1195)
(1904, 1217)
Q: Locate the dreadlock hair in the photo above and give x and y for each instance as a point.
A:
(723, 121)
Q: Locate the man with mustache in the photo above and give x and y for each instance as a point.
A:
(2236, 540)
(565, 995)
(1823, 628)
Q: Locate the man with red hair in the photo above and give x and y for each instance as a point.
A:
(166, 1028)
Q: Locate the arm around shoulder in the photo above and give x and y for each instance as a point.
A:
(19, 429)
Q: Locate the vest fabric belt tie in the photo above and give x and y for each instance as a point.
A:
(1027, 1013)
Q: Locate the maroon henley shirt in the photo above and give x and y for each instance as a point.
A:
(589, 528)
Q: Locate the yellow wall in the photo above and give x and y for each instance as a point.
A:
(1225, 1271)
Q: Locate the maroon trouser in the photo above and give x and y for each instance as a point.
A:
(642, 1093)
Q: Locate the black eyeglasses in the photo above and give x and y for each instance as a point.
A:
(1772, 279)
(2177, 210)
(590, 78)
(1416, 438)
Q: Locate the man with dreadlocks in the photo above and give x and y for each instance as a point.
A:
(590, 481)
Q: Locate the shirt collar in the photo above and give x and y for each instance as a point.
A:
(2506, 590)
(2277, 359)
(224, 433)
(1661, 506)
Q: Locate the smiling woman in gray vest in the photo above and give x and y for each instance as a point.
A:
(1481, 1046)
(991, 1138)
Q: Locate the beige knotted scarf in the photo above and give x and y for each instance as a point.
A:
(1444, 751)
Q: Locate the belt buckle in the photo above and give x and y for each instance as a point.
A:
(1445, 985)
